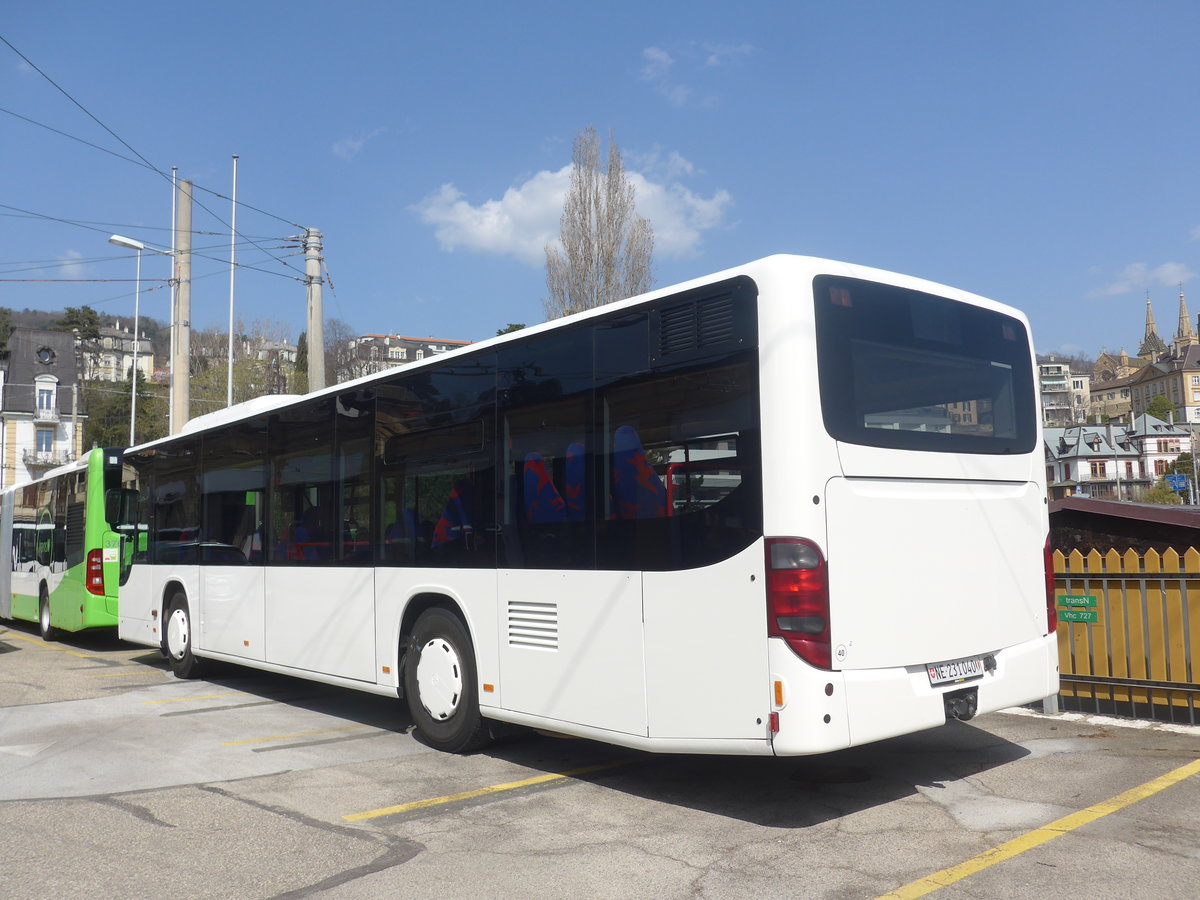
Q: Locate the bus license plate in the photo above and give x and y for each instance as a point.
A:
(955, 670)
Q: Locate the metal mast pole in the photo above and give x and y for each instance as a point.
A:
(181, 335)
(137, 302)
(316, 314)
(232, 267)
(171, 329)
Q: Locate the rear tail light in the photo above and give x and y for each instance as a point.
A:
(94, 574)
(1051, 610)
(798, 598)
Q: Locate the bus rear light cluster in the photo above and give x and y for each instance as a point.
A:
(1051, 609)
(798, 598)
(94, 573)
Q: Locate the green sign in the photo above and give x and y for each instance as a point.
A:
(1079, 615)
(1077, 600)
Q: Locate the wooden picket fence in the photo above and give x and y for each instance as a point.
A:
(1129, 633)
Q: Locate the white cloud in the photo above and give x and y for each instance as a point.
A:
(720, 54)
(656, 164)
(70, 265)
(1139, 277)
(522, 222)
(656, 67)
(658, 63)
(673, 75)
(1196, 233)
(678, 215)
(348, 148)
(519, 224)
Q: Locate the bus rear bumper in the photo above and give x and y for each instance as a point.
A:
(826, 711)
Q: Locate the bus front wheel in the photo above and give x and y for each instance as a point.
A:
(440, 683)
(178, 639)
(49, 632)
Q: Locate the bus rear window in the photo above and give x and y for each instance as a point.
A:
(908, 370)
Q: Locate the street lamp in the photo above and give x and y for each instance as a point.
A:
(131, 244)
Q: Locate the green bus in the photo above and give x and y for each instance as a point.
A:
(68, 549)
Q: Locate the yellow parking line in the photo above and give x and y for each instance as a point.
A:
(138, 671)
(284, 737)
(201, 697)
(1009, 849)
(45, 646)
(481, 792)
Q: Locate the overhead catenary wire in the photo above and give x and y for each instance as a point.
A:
(78, 224)
(39, 265)
(144, 162)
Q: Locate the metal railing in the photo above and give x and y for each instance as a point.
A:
(43, 458)
(1128, 633)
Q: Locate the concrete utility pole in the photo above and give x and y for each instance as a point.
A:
(181, 315)
(316, 312)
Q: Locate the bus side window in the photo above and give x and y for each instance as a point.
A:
(435, 440)
(303, 511)
(680, 444)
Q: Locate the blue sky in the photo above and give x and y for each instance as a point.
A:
(1044, 154)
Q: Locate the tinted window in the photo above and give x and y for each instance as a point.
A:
(437, 484)
(176, 503)
(355, 431)
(233, 487)
(910, 370)
(305, 518)
(680, 467)
(546, 410)
(622, 349)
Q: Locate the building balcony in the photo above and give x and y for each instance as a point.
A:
(43, 459)
(46, 415)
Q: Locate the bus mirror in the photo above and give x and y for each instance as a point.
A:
(112, 506)
(120, 506)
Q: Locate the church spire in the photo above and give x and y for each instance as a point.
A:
(1152, 345)
(1185, 335)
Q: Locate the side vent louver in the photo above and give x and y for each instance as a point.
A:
(696, 325)
(704, 323)
(533, 625)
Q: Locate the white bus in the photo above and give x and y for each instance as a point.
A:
(789, 508)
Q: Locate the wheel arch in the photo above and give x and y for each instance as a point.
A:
(170, 588)
(419, 603)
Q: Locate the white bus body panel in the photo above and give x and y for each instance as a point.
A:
(138, 608)
(322, 619)
(571, 647)
(929, 571)
(231, 607)
(707, 675)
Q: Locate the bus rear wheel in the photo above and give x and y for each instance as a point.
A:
(49, 632)
(177, 639)
(441, 686)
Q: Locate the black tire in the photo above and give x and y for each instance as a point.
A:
(177, 638)
(440, 684)
(49, 632)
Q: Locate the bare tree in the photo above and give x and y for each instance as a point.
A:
(605, 248)
(345, 358)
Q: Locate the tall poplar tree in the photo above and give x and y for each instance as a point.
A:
(605, 248)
